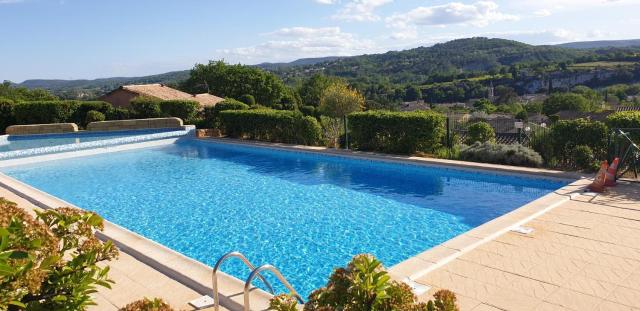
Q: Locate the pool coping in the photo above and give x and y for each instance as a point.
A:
(196, 275)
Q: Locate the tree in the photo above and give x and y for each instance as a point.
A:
(565, 101)
(337, 101)
(484, 105)
(17, 94)
(412, 93)
(505, 95)
(312, 88)
(224, 80)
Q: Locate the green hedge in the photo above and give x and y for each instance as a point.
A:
(565, 135)
(80, 117)
(38, 112)
(211, 114)
(271, 125)
(396, 132)
(626, 119)
(187, 110)
(145, 107)
(7, 117)
(480, 131)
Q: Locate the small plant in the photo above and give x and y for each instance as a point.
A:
(147, 304)
(501, 154)
(51, 262)
(94, 116)
(480, 132)
(583, 157)
(365, 285)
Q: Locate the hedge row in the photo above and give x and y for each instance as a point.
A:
(397, 132)
(147, 107)
(271, 125)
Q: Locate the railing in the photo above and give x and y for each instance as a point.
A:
(280, 277)
(214, 276)
(255, 272)
(623, 147)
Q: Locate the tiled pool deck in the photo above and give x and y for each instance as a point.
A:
(584, 254)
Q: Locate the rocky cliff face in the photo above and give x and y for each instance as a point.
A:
(569, 79)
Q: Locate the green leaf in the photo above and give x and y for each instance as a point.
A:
(19, 255)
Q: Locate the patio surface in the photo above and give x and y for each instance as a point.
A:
(582, 255)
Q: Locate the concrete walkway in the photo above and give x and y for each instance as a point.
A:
(582, 255)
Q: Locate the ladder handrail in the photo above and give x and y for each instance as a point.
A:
(214, 275)
(276, 272)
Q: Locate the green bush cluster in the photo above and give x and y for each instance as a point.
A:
(187, 110)
(365, 285)
(480, 131)
(145, 107)
(147, 304)
(94, 116)
(7, 116)
(39, 112)
(81, 114)
(565, 135)
(501, 154)
(271, 125)
(396, 132)
(626, 120)
(211, 114)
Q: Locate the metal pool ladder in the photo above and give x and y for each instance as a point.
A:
(255, 272)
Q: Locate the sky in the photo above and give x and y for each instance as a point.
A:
(87, 39)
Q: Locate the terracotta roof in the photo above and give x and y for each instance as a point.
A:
(166, 93)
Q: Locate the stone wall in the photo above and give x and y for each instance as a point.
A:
(136, 124)
(54, 128)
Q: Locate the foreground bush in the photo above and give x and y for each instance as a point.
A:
(480, 131)
(501, 154)
(397, 132)
(39, 112)
(212, 114)
(365, 285)
(50, 262)
(271, 125)
(94, 116)
(147, 304)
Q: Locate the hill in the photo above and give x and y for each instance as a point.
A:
(457, 59)
(601, 44)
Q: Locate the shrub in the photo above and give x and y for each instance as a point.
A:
(500, 154)
(211, 114)
(145, 107)
(565, 135)
(566, 101)
(230, 104)
(187, 110)
(625, 119)
(248, 99)
(583, 157)
(365, 285)
(308, 110)
(119, 114)
(7, 116)
(397, 132)
(38, 112)
(94, 116)
(79, 116)
(271, 125)
(147, 304)
(51, 262)
(480, 131)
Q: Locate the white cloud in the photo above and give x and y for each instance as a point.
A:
(479, 14)
(300, 42)
(10, 1)
(542, 13)
(326, 1)
(360, 10)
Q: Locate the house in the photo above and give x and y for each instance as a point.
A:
(122, 96)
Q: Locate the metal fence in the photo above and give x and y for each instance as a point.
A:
(508, 129)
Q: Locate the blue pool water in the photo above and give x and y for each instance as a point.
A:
(304, 213)
(12, 143)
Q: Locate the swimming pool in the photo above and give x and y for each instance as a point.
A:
(304, 213)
